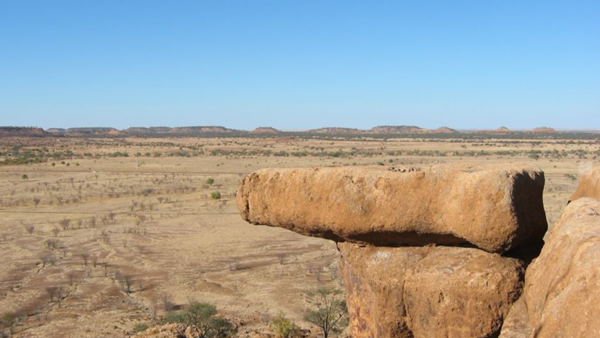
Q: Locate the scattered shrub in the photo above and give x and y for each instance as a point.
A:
(202, 316)
(330, 314)
(284, 328)
(140, 327)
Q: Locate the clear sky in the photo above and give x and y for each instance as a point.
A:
(300, 64)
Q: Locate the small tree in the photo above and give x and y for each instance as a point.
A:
(284, 328)
(48, 258)
(72, 275)
(24, 177)
(127, 284)
(30, 229)
(55, 231)
(330, 314)
(52, 291)
(9, 319)
(36, 201)
(64, 223)
(85, 256)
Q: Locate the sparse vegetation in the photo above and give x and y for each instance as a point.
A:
(203, 316)
(141, 327)
(284, 328)
(329, 312)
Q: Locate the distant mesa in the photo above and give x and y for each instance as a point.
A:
(410, 130)
(190, 131)
(445, 130)
(335, 130)
(56, 130)
(96, 131)
(204, 129)
(23, 131)
(397, 130)
(543, 130)
(382, 130)
(175, 131)
(265, 130)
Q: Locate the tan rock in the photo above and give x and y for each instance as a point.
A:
(496, 208)
(589, 185)
(427, 291)
(516, 324)
(562, 286)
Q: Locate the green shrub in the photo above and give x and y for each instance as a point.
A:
(284, 328)
(210, 181)
(330, 313)
(202, 316)
(215, 195)
(140, 327)
(9, 319)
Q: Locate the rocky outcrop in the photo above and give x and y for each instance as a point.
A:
(427, 291)
(496, 208)
(562, 286)
(421, 250)
(589, 185)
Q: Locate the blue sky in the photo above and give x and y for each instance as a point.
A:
(300, 64)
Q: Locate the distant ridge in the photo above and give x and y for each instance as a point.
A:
(23, 131)
(543, 130)
(335, 130)
(265, 130)
(193, 131)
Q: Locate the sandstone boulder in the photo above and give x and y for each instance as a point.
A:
(589, 185)
(427, 291)
(516, 324)
(562, 286)
(496, 208)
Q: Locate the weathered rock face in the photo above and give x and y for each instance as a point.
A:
(562, 288)
(374, 280)
(427, 291)
(516, 324)
(589, 185)
(496, 208)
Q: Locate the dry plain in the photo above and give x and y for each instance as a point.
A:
(93, 242)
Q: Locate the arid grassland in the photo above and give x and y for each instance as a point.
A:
(100, 234)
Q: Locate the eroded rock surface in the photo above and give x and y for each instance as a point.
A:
(496, 208)
(589, 185)
(427, 291)
(562, 288)
(516, 324)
